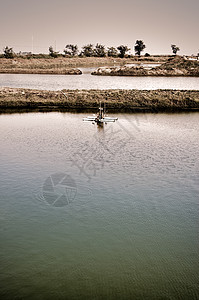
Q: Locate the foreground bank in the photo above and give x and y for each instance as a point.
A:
(139, 100)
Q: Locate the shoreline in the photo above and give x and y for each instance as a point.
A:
(176, 66)
(72, 71)
(106, 66)
(20, 99)
(59, 65)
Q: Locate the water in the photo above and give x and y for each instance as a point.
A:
(146, 66)
(88, 81)
(99, 213)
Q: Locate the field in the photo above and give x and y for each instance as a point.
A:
(60, 65)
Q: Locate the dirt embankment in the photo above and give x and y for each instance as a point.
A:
(37, 66)
(177, 66)
(118, 100)
(63, 65)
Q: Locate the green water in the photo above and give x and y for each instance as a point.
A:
(99, 213)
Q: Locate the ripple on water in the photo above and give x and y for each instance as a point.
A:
(132, 227)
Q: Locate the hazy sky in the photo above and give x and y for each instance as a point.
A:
(41, 23)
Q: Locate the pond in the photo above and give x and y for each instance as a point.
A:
(93, 212)
(88, 81)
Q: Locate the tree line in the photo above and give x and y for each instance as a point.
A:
(98, 50)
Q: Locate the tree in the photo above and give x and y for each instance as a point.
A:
(175, 49)
(99, 50)
(112, 52)
(52, 53)
(8, 52)
(122, 49)
(71, 50)
(88, 50)
(139, 47)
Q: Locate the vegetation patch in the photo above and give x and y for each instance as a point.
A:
(118, 100)
(175, 66)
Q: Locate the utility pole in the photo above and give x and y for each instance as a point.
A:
(32, 44)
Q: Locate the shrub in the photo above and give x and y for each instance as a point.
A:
(112, 52)
(52, 53)
(8, 52)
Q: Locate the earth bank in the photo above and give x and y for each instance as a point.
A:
(176, 66)
(118, 100)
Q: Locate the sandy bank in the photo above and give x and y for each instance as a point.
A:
(60, 71)
(139, 100)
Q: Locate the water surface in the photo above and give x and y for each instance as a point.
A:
(88, 81)
(99, 213)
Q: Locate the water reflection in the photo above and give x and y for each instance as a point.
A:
(100, 127)
(135, 234)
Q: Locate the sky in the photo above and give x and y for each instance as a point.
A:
(35, 25)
